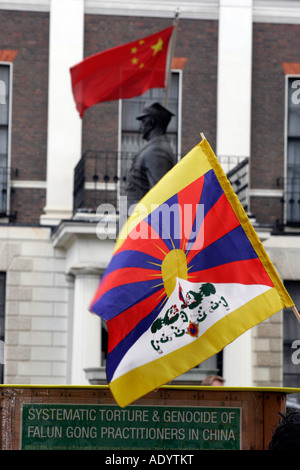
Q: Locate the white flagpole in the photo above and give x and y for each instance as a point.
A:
(297, 315)
(170, 59)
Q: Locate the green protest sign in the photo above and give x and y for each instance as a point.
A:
(60, 426)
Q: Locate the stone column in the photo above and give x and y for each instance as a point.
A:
(234, 78)
(86, 346)
(234, 135)
(64, 124)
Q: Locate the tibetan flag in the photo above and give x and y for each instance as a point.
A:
(122, 72)
(187, 277)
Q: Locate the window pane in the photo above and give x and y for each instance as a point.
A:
(294, 155)
(292, 196)
(4, 94)
(3, 146)
(130, 110)
(131, 138)
(294, 123)
(291, 332)
(134, 107)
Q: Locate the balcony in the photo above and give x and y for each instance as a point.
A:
(290, 201)
(100, 178)
(237, 170)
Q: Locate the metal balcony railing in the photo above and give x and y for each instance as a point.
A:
(238, 175)
(100, 178)
(291, 200)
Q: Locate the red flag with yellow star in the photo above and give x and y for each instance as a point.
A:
(122, 72)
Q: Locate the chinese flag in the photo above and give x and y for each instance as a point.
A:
(121, 72)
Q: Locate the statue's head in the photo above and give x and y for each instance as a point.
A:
(154, 116)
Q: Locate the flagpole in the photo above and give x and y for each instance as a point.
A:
(297, 315)
(171, 59)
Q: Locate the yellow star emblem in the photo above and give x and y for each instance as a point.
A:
(134, 61)
(158, 46)
(134, 50)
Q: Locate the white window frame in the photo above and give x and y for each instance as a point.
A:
(10, 65)
(286, 117)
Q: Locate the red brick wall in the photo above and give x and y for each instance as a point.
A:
(27, 205)
(268, 211)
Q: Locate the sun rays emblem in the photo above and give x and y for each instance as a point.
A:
(176, 246)
(176, 231)
(174, 265)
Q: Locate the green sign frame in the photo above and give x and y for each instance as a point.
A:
(95, 427)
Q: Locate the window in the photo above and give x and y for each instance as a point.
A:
(2, 323)
(291, 341)
(5, 92)
(131, 138)
(292, 182)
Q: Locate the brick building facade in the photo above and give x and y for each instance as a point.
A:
(234, 63)
(26, 33)
(273, 45)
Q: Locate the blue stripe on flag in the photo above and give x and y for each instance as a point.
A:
(116, 355)
(211, 191)
(121, 298)
(132, 259)
(165, 220)
(234, 246)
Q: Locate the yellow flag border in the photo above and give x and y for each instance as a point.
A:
(176, 363)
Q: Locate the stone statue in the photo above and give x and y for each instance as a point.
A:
(156, 158)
